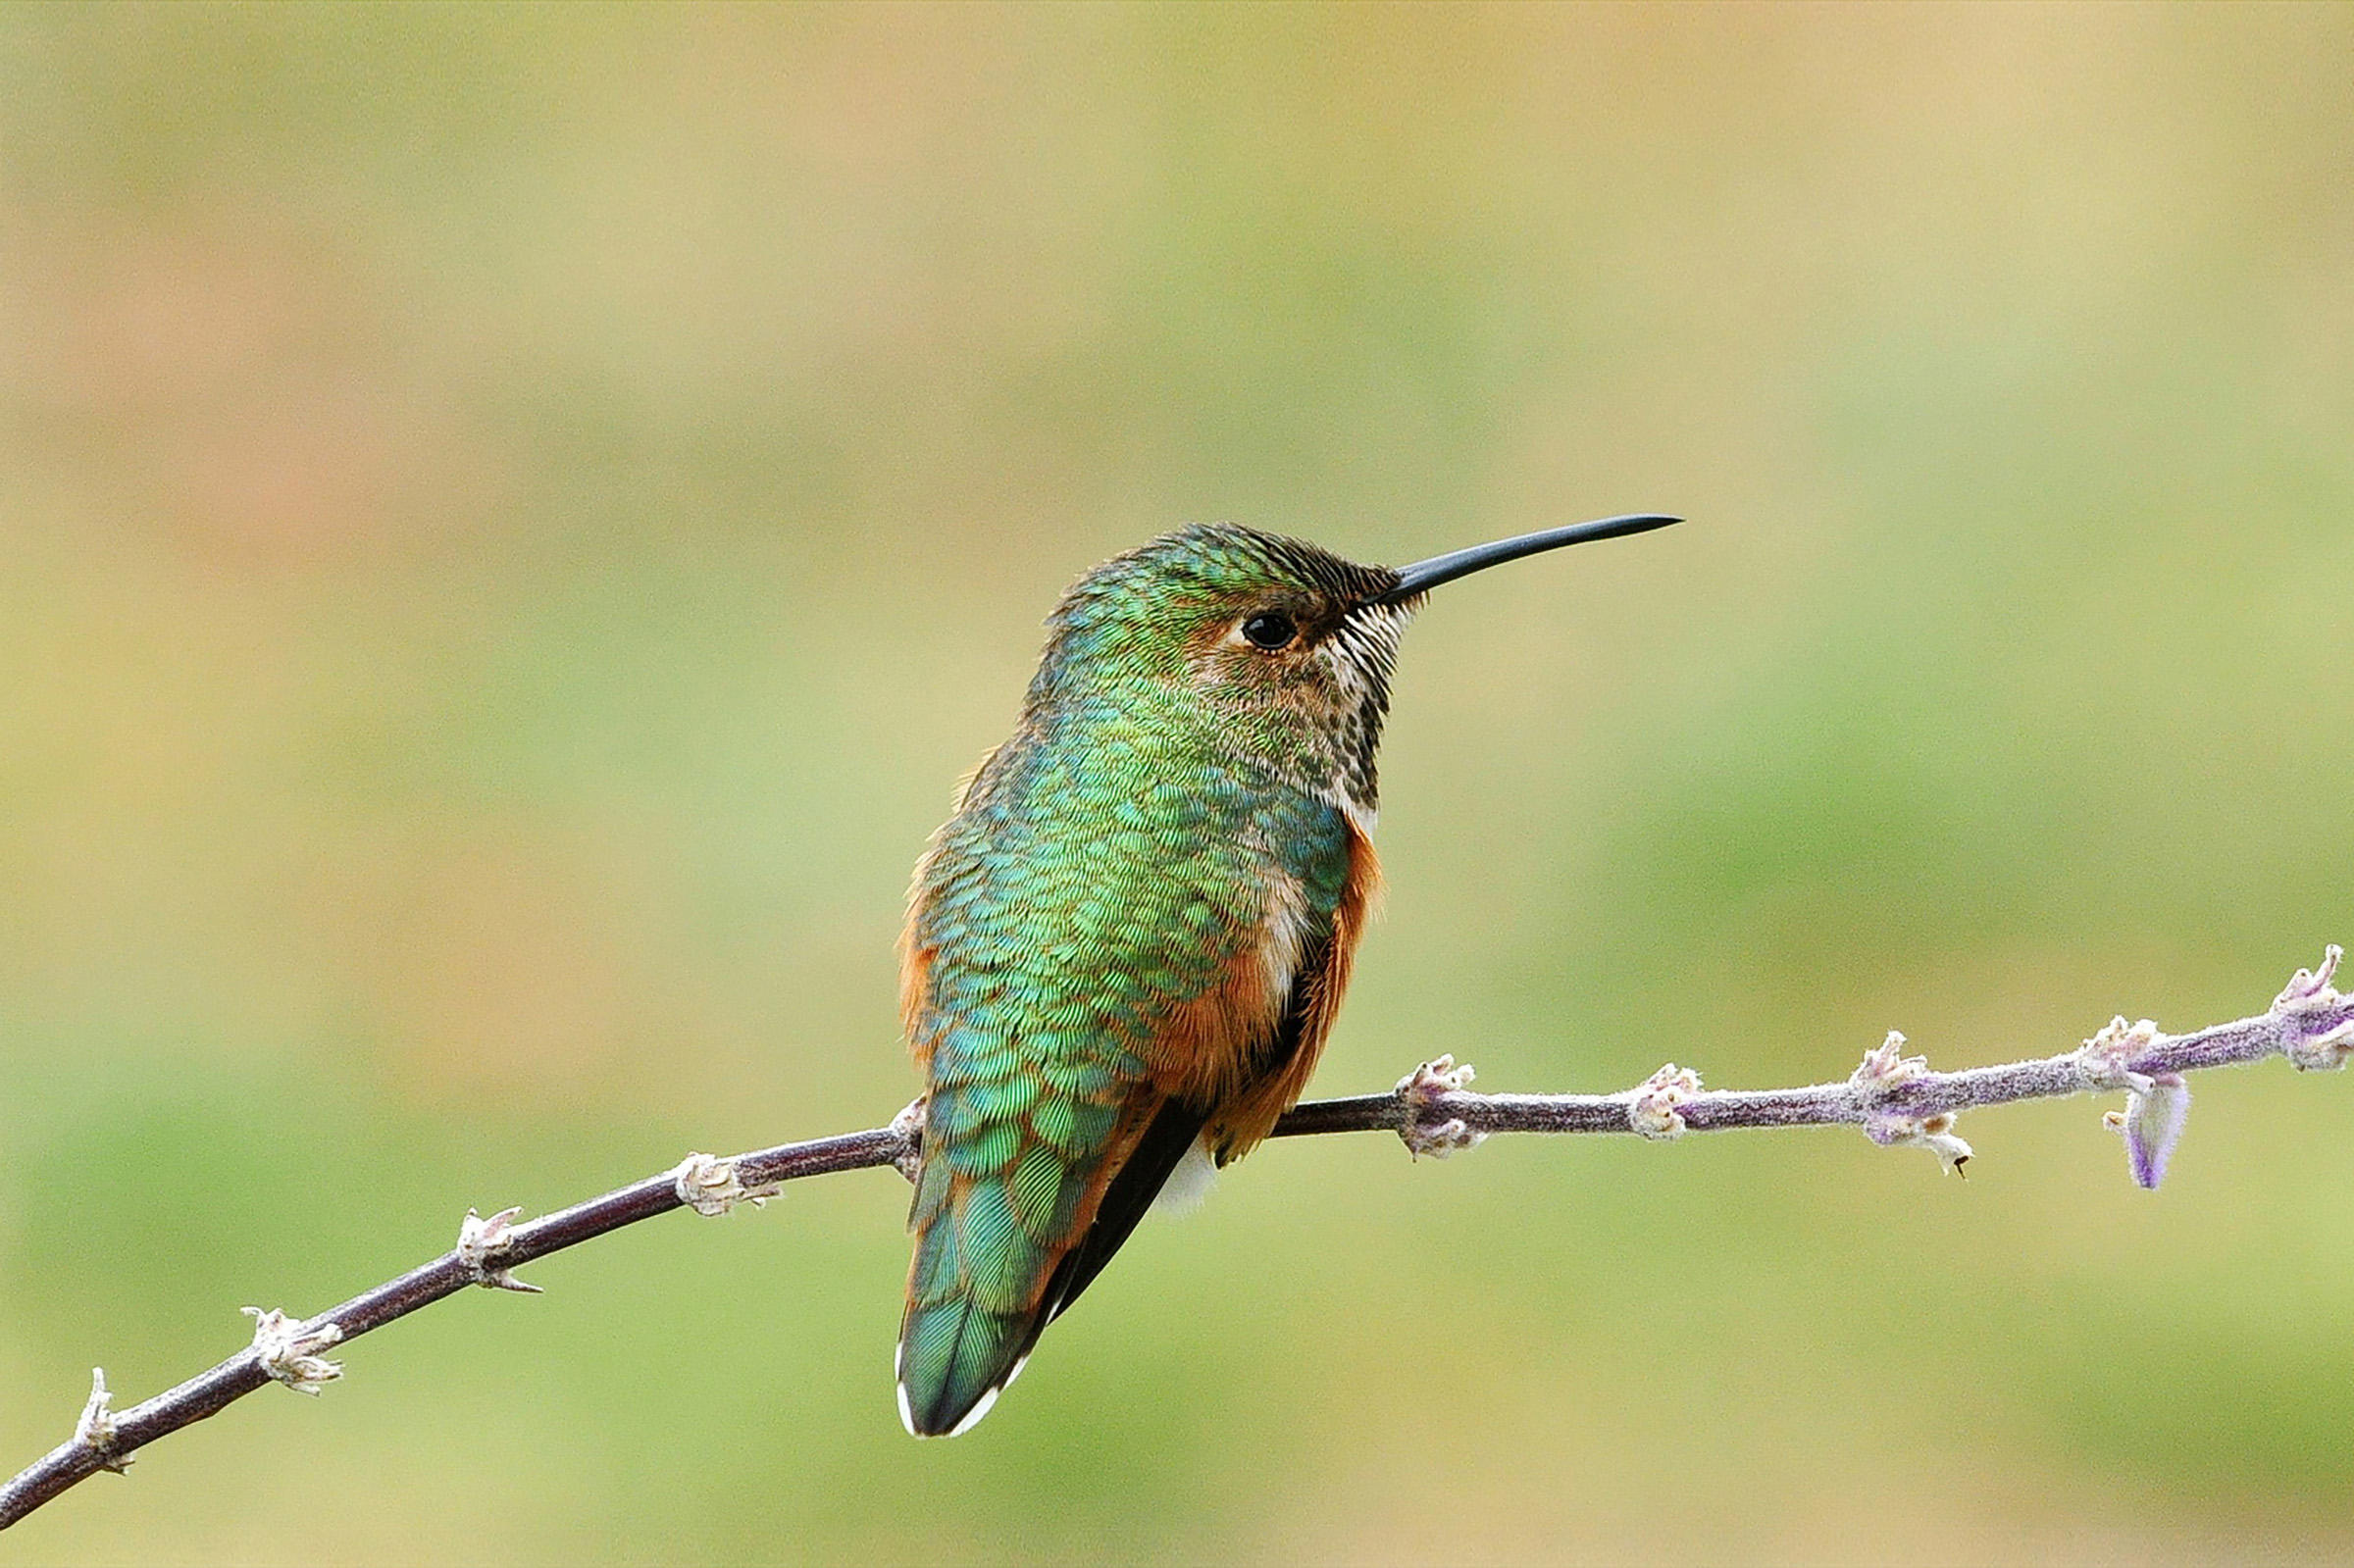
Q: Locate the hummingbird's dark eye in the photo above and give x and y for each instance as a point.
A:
(1271, 630)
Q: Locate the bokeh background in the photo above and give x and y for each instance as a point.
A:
(511, 522)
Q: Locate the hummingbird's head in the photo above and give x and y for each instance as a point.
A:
(1269, 649)
(1265, 649)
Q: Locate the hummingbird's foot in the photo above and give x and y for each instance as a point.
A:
(482, 1243)
(709, 1185)
(909, 1124)
(1421, 1131)
(288, 1350)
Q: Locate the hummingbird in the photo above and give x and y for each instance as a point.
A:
(1125, 948)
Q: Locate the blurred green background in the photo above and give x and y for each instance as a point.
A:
(512, 521)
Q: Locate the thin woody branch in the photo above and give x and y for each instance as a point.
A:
(1894, 1098)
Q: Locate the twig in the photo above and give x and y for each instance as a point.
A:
(1894, 1098)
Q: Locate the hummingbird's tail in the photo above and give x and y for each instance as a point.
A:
(956, 1357)
(984, 1285)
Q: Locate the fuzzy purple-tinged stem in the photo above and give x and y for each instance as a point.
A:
(2309, 1022)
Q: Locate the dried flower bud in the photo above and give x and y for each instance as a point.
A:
(1651, 1108)
(96, 1428)
(2308, 986)
(482, 1243)
(1886, 1065)
(711, 1185)
(1933, 1132)
(909, 1125)
(287, 1349)
(2106, 1058)
(2152, 1123)
(1418, 1089)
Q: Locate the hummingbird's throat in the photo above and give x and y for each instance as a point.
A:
(1360, 654)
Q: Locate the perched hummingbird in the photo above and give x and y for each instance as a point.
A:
(1125, 948)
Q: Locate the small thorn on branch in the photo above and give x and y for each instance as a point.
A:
(1418, 1091)
(287, 1348)
(95, 1430)
(482, 1243)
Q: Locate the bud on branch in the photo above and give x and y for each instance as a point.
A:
(1894, 1099)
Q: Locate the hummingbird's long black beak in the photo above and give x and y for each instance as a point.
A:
(1424, 576)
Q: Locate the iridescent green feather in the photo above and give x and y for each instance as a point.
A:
(1109, 862)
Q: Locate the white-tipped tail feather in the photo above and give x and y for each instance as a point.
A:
(981, 1407)
(1189, 1184)
(972, 1417)
(899, 1354)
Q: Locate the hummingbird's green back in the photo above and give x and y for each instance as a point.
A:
(1135, 926)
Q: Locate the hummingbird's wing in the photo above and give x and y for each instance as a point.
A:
(1127, 1198)
(1282, 1056)
(1035, 1171)
(1084, 1003)
(965, 1354)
